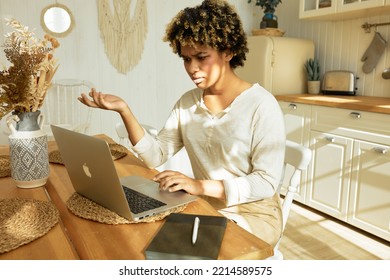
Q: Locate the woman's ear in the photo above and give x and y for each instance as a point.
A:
(228, 55)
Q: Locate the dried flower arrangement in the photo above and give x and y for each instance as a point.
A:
(24, 84)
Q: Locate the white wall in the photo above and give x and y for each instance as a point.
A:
(154, 85)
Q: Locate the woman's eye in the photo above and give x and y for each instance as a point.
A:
(202, 57)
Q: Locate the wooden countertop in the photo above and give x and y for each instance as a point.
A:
(362, 103)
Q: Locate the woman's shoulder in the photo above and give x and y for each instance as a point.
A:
(191, 97)
(195, 92)
(259, 94)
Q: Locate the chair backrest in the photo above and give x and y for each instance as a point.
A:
(62, 108)
(298, 157)
(122, 134)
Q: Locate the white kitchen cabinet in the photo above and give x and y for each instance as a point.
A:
(296, 118)
(316, 8)
(357, 5)
(349, 175)
(341, 9)
(367, 126)
(369, 203)
(329, 174)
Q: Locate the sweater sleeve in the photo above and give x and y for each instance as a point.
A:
(156, 151)
(148, 149)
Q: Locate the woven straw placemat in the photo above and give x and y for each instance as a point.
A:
(117, 151)
(24, 220)
(5, 166)
(87, 209)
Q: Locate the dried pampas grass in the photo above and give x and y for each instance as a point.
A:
(24, 84)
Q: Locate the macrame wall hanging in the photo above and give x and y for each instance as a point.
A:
(123, 35)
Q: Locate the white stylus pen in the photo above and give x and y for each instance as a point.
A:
(195, 230)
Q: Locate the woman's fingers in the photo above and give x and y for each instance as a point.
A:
(86, 101)
(174, 181)
(95, 99)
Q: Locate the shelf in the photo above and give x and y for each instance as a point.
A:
(341, 9)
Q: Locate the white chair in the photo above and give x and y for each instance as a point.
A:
(179, 162)
(298, 157)
(62, 108)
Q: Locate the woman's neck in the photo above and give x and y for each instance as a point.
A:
(218, 97)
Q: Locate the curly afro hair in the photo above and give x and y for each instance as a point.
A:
(214, 23)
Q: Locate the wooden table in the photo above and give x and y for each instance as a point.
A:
(97, 241)
(46, 247)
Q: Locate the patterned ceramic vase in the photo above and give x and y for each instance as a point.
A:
(28, 150)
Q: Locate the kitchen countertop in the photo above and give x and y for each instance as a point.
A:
(362, 103)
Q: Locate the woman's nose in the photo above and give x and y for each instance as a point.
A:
(193, 67)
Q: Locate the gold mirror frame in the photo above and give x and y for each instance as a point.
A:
(53, 32)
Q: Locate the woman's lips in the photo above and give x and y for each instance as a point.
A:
(198, 80)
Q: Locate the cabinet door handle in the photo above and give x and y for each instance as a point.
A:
(330, 139)
(380, 150)
(293, 106)
(355, 115)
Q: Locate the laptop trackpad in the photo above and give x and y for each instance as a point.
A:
(151, 188)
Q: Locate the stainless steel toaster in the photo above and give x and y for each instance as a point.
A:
(339, 82)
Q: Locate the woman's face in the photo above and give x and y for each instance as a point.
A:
(205, 65)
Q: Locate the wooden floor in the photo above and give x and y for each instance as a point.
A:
(310, 235)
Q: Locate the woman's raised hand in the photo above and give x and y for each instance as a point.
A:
(103, 101)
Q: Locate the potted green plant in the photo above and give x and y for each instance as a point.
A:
(269, 19)
(312, 67)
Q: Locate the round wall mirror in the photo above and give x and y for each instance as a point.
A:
(57, 20)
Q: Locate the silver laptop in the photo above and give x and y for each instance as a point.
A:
(92, 172)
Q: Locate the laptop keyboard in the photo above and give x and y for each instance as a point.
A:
(139, 202)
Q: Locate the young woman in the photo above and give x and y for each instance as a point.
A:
(232, 130)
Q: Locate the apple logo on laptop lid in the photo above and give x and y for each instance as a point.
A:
(86, 170)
